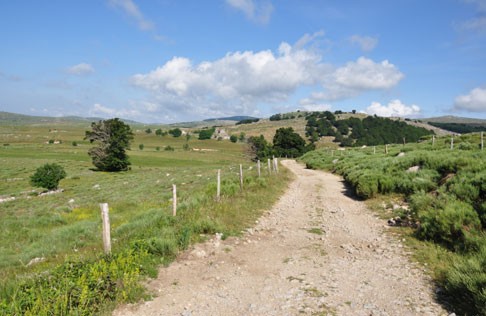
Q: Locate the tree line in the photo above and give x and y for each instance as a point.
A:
(370, 131)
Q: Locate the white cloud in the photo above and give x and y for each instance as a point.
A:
(316, 107)
(366, 43)
(474, 101)
(258, 11)
(239, 81)
(80, 69)
(132, 10)
(393, 108)
(355, 78)
(366, 74)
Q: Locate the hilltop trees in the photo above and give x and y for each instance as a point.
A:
(113, 138)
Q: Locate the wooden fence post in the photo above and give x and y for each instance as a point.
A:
(275, 164)
(452, 142)
(433, 140)
(386, 149)
(258, 168)
(105, 217)
(174, 200)
(269, 167)
(482, 141)
(218, 189)
(241, 177)
(374, 150)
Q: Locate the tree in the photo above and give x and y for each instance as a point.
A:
(206, 133)
(48, 176)
(233, 138)
(176, 132)
(113, 138)
(242, 137)
(288, 143)
(158, 132)
(148, 131)
(259, 148)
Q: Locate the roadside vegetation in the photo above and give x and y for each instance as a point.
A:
(51, 258)
(444, 194)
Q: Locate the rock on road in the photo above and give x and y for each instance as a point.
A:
(316, 252)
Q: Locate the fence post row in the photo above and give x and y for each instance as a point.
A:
(241, 177)
(482, 141)
(105, 218)
(218, 188)
(174, 200)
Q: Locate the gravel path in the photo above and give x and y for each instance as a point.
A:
(316, 252)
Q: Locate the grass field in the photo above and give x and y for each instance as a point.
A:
(66, 227)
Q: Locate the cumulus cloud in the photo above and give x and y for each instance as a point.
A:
(393, 108)
(366, 43)
(254, 10)
(80, 69)
(366, 74)
(355, 78)
(131, 9)
(239, 81)
(474, 101)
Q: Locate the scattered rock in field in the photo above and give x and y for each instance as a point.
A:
(12, 198)
(51, 192)
(413, 169)
(199, 253)
(96, 186)
(401, 154)
(335, 161)
(36, 260)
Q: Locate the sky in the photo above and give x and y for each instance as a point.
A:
(166, 61)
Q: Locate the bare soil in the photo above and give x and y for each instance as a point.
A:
(318, 251)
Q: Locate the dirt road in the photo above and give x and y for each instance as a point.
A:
(316, 252)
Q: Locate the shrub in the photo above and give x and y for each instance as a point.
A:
(169, 148)
(48, 176)
(233, 138)
(141, 146)
(75, 143)
(452, 226)
(465, 283)
(157, 148)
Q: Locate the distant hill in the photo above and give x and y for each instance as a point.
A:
(232, 118)
(454, 119)
(7, 118)
(456, 124)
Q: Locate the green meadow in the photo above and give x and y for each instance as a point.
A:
(63, 230)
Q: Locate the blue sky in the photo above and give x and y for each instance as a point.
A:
(170, 61)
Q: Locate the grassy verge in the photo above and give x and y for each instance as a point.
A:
(63, 231)
(445, 193)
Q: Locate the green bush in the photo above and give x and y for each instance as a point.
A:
(48, 176)
(453, 225)
(168, 148)
(465, 283)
